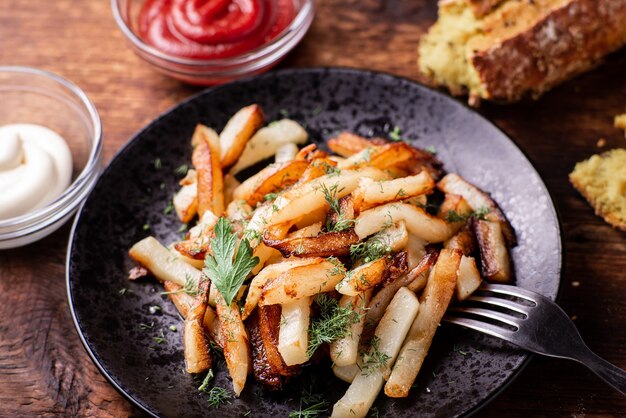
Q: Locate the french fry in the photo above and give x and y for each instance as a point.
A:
(389, 334)
(238, 210)
(416, 248)
(238, 130)
(206, 160)
(286, 152)
(347, 144)
(197, 243)
(477, 199)
(468, 278)
(317, 168)
(196, 349)
(464, 240)
(269, 180)
(299, 282)
(346, 373)
(310, 196)
(236, 346)
(324, 245)
(418, 222)
(212, 326)
(363, 277)
(345, 351)
(267, 140)
(434, 302)
(293, 339)
(164, 265)
(307, 232)
(185, 201)
(494, 254)
(264, 276)
(182, 300)
(371, 193)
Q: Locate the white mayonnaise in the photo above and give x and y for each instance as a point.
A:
(35, 168)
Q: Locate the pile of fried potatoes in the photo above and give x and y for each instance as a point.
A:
(377, 226)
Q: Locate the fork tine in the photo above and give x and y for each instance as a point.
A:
(503, 303)
(515, 291)
(479, 326)
(486, 313)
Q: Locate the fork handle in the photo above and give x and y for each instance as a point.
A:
(611, 374)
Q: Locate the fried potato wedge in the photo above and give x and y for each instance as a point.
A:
(182, 300)
(230, 184)
(195, 346)
(433, 305)
(267, 140)
(464, 241)
(265, 275)
(380, 301)
(312, 230)
(317, 168)
(346, 373)
(238, 210)
(389, 334)
(468, 279)
(236, 345)
(270, 320)
(418, 222)
(164, 265)
(347, 144)
(324, 245)
(261, 366)
(303, 199)
(185, 201)
(319, 276)
(345, 351)
(206, 160)
(478, 200)
(363, 277)
(286, 152)
(197, 243)
(238, 130)
(494, 254)
(271, 179)
(293, 338)
(374, 193)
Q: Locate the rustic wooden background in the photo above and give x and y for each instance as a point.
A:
(44, 370)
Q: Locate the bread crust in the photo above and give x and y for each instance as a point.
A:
(571, 38)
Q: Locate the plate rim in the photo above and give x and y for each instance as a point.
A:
(528, 356)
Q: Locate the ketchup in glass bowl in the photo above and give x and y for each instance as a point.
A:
(213, 41)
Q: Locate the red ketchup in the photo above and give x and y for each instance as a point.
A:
(210, 29)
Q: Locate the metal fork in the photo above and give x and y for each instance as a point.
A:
(532, 322)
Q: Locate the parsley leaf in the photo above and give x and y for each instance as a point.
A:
(227, 273)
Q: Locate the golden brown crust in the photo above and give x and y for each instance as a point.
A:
(569, 39)
(482, 7)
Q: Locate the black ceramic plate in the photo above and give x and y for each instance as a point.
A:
(463, 370)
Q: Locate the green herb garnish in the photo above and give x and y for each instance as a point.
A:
(453, 216)
(191, 288)
(332, 324)
(374, 358)
(159, 339)
(218, 396)
(181, 170)
(370, 250)
(169, 208)
(205, 383)
(270, 197)
(395, 134)
(226, 272)
(157, 163)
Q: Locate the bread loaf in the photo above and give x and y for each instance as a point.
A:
(521, 47)
(602, 181)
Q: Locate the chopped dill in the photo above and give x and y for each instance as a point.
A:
(146, 226)
(395, 134)
(205, 383)
(157, 163)
(218, 396)
(160, 339)
(314, 404)
(453, 216)
(270, 197)
(173, 328)
(370, 250)
(374, 358)
(181, 170)
(154, 309)
(191, 288)
(146, 326)
(169, 208)
(332, 324)
(431, 149)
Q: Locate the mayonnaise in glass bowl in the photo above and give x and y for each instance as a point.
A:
(30, 97)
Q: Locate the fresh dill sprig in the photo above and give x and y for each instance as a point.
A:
(218, 396)
(181, 170)
(157, 163)
(341, 223)
(314, 404)
(191, 288)
(374, 358)
(169, 208)
(224, 267)
(332, 324)
(160, 339)
(270, 197)
(330, 195)
(395, 134)
(453, 216)
(370, 250)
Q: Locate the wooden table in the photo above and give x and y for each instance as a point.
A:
(43, 366)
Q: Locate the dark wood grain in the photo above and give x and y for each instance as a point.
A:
(44, 369)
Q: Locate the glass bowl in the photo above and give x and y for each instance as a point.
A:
(29, 95)
(216, 71)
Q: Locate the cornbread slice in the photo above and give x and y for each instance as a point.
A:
(520, 47)
(602, 181)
